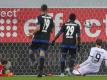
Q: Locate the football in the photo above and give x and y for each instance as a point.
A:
(87, 24)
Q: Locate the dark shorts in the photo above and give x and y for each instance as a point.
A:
(69, 51)
(36, 46)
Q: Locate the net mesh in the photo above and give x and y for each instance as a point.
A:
(14, 44)
(18, 54)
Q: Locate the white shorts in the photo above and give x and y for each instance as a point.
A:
(84, 70)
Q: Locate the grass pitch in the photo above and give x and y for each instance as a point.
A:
(55, 78)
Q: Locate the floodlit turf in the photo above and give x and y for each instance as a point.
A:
(55, 78)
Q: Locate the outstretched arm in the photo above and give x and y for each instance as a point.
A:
(59, 33)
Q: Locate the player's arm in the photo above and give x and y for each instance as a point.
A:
(58, 34)
(78, 39)
(36, 28)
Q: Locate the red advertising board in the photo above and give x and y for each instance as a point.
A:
(15, 23)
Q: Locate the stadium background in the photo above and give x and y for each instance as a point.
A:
(15, 17)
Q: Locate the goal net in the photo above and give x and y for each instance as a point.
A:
(15, 23)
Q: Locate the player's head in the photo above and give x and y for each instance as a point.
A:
(72, 17)
(44, 8)
(3, 61)
(98, 42)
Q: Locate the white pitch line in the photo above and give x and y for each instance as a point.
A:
(58, 75)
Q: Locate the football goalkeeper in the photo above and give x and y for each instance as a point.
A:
(5, 68)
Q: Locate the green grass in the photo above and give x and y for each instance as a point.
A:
(55, 78)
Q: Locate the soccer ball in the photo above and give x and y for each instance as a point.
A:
(87, 24)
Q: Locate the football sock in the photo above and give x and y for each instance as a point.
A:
(41, 60)
(71, 64)
(63, 62)
(62, 65)
(41, 64)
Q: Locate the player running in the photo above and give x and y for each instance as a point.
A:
(71, 40)
(41, 37)
(93, 63)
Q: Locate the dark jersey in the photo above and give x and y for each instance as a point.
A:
(71, 30)
(46, 25)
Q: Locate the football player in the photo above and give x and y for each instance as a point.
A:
(41, 37)
(71, 40)
(93, 63)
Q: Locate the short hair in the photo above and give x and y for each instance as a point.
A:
(3, 61)
(99, 42)
(44, 7)
(72, 16)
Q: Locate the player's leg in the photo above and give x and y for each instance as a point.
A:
(42, 55)
(72, 60)
(33, 54)
(80, 70)
(41, 61)
(76, 72)
(63, 59)
(84, 70)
